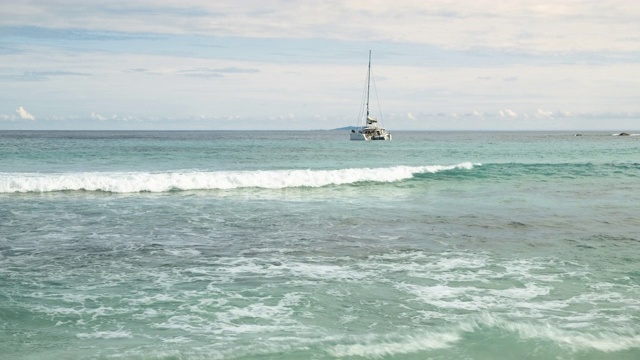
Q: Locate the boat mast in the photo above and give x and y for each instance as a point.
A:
(368, 84)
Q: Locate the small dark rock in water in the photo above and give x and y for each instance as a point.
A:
(577, 135)
(624, 134)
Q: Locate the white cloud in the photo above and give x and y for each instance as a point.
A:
(24, 114)
(98, 116)
(507, 113)
(525, 25)
(543, 114)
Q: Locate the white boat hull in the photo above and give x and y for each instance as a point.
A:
(366, 137)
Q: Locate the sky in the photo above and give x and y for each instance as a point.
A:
(299, 65)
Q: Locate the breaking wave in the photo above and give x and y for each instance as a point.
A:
(131, 182)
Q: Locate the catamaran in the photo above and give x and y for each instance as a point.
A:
(370, 130)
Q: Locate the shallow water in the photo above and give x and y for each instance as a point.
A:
(289, 245)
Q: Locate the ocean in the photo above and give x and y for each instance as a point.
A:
(305, 245)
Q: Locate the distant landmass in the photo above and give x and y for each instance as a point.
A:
(348, 128)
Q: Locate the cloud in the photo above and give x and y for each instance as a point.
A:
(235, 70)
(506, 113)
(98, 116)
(525, 25)
(24, 114)
(217, 72)
(39, 75)
(541, 114)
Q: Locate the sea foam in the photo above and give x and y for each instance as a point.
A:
(387, 346)
(130, 182)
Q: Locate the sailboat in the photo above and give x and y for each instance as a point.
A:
(370, 130)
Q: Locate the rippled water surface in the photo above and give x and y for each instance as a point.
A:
(292, 245)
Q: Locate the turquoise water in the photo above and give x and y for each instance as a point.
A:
(304, 245)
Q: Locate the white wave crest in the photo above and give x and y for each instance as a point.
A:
(381, 347)
(128, 182)
(608, 339)
(118, 334)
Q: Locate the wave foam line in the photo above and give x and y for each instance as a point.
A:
(607, 339)
(387, 347)
(129, 182)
